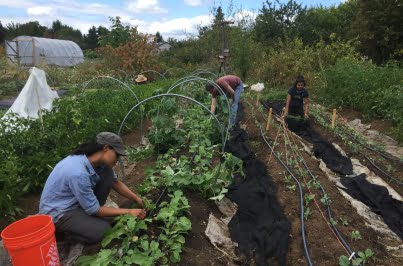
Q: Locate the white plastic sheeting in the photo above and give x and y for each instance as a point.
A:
(31, 51)
(35, 96)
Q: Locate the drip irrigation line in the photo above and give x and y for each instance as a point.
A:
(333, 226)
(328, 209)
(383, 172)
(372, 162)
(390, 157)
(300, 193)
(158, 201)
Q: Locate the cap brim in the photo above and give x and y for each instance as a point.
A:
(121, 151)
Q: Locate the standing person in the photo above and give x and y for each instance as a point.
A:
(232, 87)
(296, 99)
(77, 188)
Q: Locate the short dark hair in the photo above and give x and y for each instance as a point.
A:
(209, 87)
(88, 148)
(299, 79)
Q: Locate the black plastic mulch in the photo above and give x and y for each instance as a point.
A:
(260, 226)
(374, 196)
(378, 199)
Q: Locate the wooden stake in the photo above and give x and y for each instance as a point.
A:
(333, 118)
(257, 98)
(269, 119)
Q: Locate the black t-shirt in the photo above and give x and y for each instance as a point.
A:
(297, 100)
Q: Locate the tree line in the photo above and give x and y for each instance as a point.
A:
(376, 28)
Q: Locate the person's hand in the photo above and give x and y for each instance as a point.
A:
(306, 116)
(139, 213)
(140, 202)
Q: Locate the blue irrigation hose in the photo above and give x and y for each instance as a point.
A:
(383, 172)
(301, 198)
(329, 213)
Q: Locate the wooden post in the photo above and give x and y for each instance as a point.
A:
(257, 98)
(269, 119)
(333, 118)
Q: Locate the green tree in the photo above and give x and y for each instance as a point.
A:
(158, 37)
(379, 27)
(64, 32)
(318, 23)
(3, 33)
(277, 21)
(91, 39)
(118, 34)
(32, 28)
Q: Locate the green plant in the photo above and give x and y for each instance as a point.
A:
(355, 235)
(325, 199)
(344, 221)
(309, 198)
(360, 260)
(138, 245)
(307, 212)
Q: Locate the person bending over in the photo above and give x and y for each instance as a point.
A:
(232, 87)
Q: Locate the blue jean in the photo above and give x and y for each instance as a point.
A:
(234, 107)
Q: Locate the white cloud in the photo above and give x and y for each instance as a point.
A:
(193, 2)
(146, 6)
(16, 4)
(39, 10)
(177, 28)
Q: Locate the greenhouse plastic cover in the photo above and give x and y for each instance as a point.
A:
(35, 95)
(44, 51)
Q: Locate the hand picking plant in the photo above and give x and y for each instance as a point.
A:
(139, 244)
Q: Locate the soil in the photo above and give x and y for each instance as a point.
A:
(376, 124)
(323, 246)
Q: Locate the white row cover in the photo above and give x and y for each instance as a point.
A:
(35, 96)
(31, 51)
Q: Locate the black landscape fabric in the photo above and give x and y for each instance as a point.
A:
(374, 196)
(322, 149)
(260, 226)
(378, 199)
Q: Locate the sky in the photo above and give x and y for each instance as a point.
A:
(175, 18)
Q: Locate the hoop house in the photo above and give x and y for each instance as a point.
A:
(31, 51)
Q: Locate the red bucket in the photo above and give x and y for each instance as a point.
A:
(31, 241)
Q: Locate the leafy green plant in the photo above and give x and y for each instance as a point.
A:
(344, 221)
(361, 259)
(355, 235)
(325, 199)
(138, 245)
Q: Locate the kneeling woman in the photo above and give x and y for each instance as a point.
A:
(77, 188)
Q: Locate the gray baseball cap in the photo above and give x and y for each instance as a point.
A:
(113, 140)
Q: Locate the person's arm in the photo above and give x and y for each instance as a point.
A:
(123, 190)
(228, 89)
(105, 211)
(287, 105)
(213, 104)
(306, 113)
